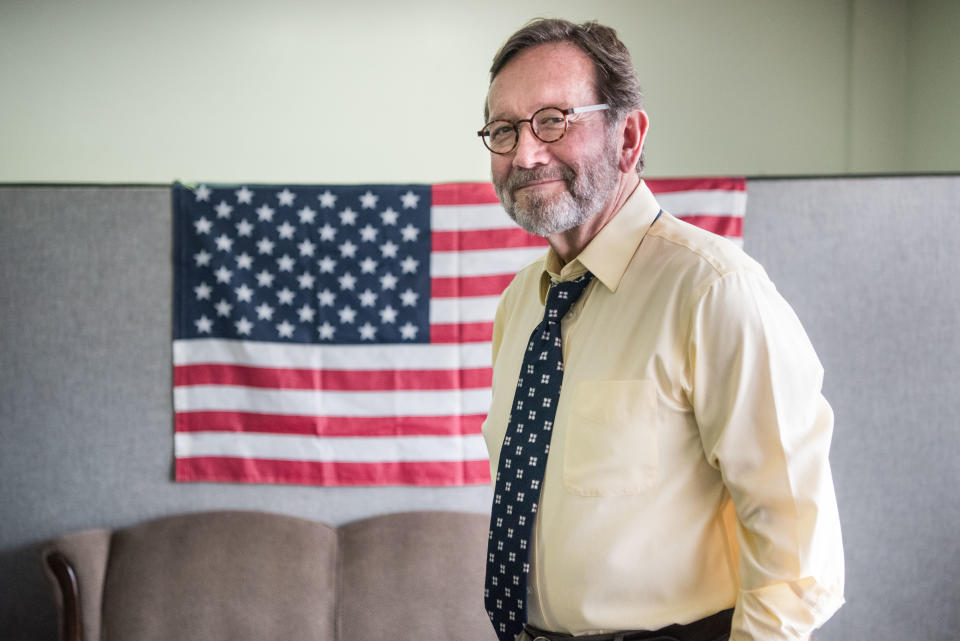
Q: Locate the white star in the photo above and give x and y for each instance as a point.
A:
(326, 331)
(244, 293)
(347, 281)
(409, 298)
(204, 324)
(389, 216)
(409, 265)
(306, 313)
(409, 233)
(202, 257)
(388, 281)
(388, 314)
(285, 263)
(244, 261)
(203, 291)
(244, 228)
(203, 193)
(265, 279)
(347, 314)
(223, 274)
(244, 195)
(327, 199)
(348, 217)
(306, 248)
(368, 233)
(286, 197)
(326, 298)
(327, 232)
(224, 243)
(348, 249)
(368, 200)
(408, 331)
(264, 312)
(306, 215)
(265, 245)
(285, 329)
(223, 307)
(203, 225)
(306, 280)
(367, 332)
(389, 249)
(368, 266)
(367, 298)
(285, 296)
(243, 326)
(286, 230)
(265, 212)
(410, 200)
(223, 209)
(327, 265)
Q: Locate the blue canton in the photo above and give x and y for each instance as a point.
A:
(303, 263)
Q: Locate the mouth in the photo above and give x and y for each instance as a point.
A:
(539, 183)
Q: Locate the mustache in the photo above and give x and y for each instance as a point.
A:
(520, 177)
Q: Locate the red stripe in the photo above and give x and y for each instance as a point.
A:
(461, 332)
(484, 194)
(237, 470)
(340, 380)
(484, 239)
(454, 287)
(724, 225)
(667, 185)
(464, 194)
(209, 421)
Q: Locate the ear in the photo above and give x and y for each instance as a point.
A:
(632, 136)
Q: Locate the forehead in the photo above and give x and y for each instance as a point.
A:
(556, 74)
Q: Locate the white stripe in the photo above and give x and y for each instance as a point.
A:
(716, 202)
(366, 449)
(477, 309)
(483, 262)
(469, 217)
(195, 398)
(332, 357)
(492, 216)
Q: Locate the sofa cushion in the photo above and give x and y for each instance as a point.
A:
(230, 576)
(414, 576)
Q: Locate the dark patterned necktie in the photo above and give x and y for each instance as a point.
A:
(523, 459)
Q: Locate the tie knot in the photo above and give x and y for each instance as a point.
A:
(563, 295)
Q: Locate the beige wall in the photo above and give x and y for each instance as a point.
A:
(236, 90)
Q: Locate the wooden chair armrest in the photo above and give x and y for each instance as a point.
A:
(62, 569)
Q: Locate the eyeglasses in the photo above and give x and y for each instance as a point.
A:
(548, 124)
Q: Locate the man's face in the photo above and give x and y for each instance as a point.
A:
(548, 188)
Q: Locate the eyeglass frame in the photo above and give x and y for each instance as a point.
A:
(516, 125)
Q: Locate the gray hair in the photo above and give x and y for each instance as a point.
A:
(616, 78)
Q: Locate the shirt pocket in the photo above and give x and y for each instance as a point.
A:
(611, 441)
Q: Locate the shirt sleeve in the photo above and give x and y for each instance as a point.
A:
(764, 423)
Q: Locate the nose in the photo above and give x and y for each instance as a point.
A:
(530, 151)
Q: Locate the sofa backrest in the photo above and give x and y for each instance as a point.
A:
(237, 576)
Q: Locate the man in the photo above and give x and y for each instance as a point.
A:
(657, 436)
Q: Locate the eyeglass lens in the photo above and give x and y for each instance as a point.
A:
(548, 125)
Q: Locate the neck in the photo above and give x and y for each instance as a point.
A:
(568, 244)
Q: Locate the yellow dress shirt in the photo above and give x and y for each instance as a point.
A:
(688, 467)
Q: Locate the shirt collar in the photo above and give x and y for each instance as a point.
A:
(610, 251)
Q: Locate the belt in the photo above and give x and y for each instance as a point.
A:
(712, 628)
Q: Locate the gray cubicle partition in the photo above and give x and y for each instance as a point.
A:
(868, 263)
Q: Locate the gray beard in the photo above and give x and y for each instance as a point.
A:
(588, 191)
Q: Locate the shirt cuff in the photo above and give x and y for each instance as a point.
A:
(788, 611)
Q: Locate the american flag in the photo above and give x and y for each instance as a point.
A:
(340, 334)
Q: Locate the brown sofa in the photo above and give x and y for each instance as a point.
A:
(237, 576)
